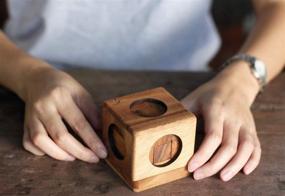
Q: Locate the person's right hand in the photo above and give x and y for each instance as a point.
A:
(53, 97)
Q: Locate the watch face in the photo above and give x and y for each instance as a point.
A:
(260, 70)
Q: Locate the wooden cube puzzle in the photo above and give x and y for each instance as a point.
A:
(150, 138)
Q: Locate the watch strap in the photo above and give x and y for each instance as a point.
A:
(257, 67)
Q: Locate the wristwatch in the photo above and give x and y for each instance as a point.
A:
(257, 67)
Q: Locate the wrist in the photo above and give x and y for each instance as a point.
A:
(238, 76)
(16, 66)
(27, 68)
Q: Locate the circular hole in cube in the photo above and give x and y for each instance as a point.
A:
(165, 150)
(116, 141)
(148, 107)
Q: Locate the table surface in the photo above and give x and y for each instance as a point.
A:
(24, 174)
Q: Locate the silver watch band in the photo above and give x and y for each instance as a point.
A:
(257, 67)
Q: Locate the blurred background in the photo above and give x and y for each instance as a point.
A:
(233, 18)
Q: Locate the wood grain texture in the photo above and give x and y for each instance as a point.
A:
(118, 106)
(165, 150)
(183, 127)
(155, 120)
(24, 174)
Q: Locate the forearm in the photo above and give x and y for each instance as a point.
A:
(15, 65)
(266, 42)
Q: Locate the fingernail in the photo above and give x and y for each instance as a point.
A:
(69, 158)
(94, 159)
(192, 166)
(226, 175)
(246, 171)
(198, 175)
(102, 153)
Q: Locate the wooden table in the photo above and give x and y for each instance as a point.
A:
(24, 174)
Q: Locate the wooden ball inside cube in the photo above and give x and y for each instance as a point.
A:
(150, 138)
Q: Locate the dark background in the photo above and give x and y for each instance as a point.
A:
(230, 17)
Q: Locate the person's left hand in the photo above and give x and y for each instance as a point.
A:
(231, 141)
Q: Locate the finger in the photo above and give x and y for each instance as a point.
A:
(40, 139)
(29, 146)
(223, 155)
(253, 160)
(245, 149)
(58, 132)
(212, 140)
(189, 103)
(78, 122)
(89, 109)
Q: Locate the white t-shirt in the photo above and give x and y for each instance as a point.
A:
(116, 34)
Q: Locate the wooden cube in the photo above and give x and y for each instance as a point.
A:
(150, 138)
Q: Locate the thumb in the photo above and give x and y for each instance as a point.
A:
(190, 103)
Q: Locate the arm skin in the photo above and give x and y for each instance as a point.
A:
(15, 64)
(50, 96)
(267, 39)
(231, 143)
